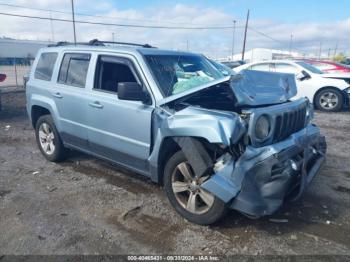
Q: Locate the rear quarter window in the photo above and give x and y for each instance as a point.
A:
(45, 66)
(74, 69)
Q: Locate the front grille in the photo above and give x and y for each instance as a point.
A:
(288, 123)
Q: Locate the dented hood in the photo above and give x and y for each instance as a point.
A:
(251, 88)
(263, 88)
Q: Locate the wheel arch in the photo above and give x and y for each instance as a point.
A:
(39, 105)
(36, 112)
(169, 147)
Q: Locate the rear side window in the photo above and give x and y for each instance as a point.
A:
(45, 66)
(261, 67)
(285, 68)
(74, 69)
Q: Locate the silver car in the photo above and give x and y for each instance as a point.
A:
(214, 142)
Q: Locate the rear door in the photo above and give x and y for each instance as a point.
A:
(119, 130)
(71, 97)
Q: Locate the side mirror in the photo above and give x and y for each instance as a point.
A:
(303, 75)
(132, 91)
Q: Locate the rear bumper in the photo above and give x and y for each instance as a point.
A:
(261, 180)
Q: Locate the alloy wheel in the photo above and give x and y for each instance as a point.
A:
(329, 100)
(46, 138)
(188, 191)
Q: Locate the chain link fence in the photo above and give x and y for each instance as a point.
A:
(14, 70)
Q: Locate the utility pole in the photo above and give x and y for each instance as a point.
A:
(320, 52)
(335, 50)
(233, 38)
(329, 53)
(290, 45)
(187, 46)
(245, 35)
(75, 37)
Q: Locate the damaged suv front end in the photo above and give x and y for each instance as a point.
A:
(244, 140)
(273, 167)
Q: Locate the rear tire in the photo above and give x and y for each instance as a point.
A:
(329, 100)
(194, 203)
(49, 140)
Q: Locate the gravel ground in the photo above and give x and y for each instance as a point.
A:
(88, 206)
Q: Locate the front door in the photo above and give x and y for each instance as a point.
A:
(118, 130)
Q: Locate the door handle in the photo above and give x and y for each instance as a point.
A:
(57, 94)
(96, 104)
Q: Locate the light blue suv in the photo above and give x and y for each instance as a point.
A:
(215, 142)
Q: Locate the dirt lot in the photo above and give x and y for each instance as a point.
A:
(88, 206)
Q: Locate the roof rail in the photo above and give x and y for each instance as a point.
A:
(96, 42)
(63, 43)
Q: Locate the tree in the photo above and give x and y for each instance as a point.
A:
(340, 58)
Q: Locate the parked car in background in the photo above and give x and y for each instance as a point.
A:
(215, 142)
(2, 77)
(329, 66)
(328, 92)
(225, 70)
(233, 64)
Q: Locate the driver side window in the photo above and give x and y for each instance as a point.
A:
(111, 71)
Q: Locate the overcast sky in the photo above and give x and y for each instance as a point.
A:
(312, 23)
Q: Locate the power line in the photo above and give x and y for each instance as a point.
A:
(274, 39)
(115, 24)
(100, 16)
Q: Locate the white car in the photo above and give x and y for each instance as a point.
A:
(328, 92)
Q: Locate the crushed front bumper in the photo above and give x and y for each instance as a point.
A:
(259, 182)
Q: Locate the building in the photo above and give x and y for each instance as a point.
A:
(21, 52)
(261, 54)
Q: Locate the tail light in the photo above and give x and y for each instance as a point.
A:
(2, 77)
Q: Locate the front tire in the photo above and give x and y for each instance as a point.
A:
(185, 194)
(49, 140)
(329, 100)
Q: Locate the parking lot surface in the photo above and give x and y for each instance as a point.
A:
(88, 206)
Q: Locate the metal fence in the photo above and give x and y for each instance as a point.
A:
(14, 74)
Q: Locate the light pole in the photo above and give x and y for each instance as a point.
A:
(320, 52)
(290, 45)
(233, 38)
(245, 35)
(75, 37)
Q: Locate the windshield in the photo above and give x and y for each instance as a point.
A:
(225, 70)
(178, 73)
(309, 67)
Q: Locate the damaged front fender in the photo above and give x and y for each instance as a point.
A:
(216, 127)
